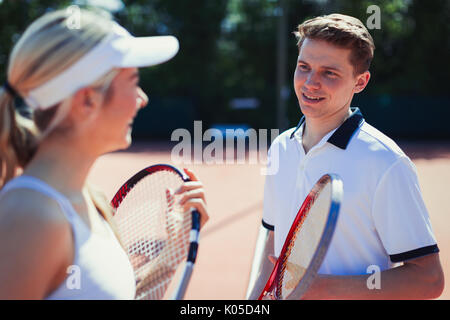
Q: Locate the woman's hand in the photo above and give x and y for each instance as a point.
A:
(193, 196)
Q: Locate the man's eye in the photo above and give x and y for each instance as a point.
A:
(302, 67)
(330, 74)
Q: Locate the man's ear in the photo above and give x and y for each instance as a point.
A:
(361, 81)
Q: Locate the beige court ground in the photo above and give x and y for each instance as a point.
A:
(234, 195)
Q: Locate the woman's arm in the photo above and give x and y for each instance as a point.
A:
(35, 242)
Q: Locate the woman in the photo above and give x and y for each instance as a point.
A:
(81, 85)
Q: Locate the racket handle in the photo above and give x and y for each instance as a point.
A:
(194, 235)
(195, 220)
(192, 255)
(182, 286)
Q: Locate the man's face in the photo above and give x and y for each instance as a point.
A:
(324, 79)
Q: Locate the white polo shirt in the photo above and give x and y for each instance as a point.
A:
(383, 219)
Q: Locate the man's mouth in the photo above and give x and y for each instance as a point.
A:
(311, 99)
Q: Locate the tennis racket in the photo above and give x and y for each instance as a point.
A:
(161, 239)
(307, 241)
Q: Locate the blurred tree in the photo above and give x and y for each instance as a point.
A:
(15, 16)
(412, 46)
(425, 53)
(228, 49)
(248, 56)
(193, 72)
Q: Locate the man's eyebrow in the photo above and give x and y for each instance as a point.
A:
(336, 68)
(332, 68)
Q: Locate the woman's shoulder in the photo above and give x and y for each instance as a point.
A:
(24, 203)
(33, 215)
(36, 238)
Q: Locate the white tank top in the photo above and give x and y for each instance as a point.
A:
(101, 269)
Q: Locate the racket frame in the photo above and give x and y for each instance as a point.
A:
(195, 229)
(337, 193)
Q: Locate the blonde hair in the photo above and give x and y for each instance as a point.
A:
(47, 48)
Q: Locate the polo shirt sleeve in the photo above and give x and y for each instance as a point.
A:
(400, 216)
(269, 203)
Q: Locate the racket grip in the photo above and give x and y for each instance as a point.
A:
(195, 220)
(192, 255)
(182, 286)
(193, 246)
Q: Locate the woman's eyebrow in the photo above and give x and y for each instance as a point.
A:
(134, 75)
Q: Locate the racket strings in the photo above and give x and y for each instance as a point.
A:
(305, 239)
(286, 264)
(155, 232)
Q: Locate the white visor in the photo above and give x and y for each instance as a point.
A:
(117, 50)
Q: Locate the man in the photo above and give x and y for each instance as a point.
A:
(383, 221)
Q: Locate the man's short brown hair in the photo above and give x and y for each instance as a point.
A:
(343, 31)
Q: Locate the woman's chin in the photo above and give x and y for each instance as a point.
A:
(128, 141)
(124, 144)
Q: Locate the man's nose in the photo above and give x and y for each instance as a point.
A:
(312, 82)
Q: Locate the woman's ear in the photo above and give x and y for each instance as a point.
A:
(86, 102)
(361, 81)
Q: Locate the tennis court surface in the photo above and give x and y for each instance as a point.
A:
(234, 196)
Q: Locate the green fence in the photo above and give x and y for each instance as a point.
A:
(400, 117)
(407, 117)
(162, 116)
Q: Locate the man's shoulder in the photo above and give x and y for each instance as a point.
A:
(376, 145)
(374, 137)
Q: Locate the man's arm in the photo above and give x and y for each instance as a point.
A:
(261, 266)
(420, 278)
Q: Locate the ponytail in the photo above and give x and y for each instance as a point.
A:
(18, 141)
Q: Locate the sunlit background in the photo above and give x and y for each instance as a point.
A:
(237, 59)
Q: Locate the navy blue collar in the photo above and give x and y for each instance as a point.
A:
(341, 137)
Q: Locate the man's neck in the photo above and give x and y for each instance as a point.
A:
(316, 129)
